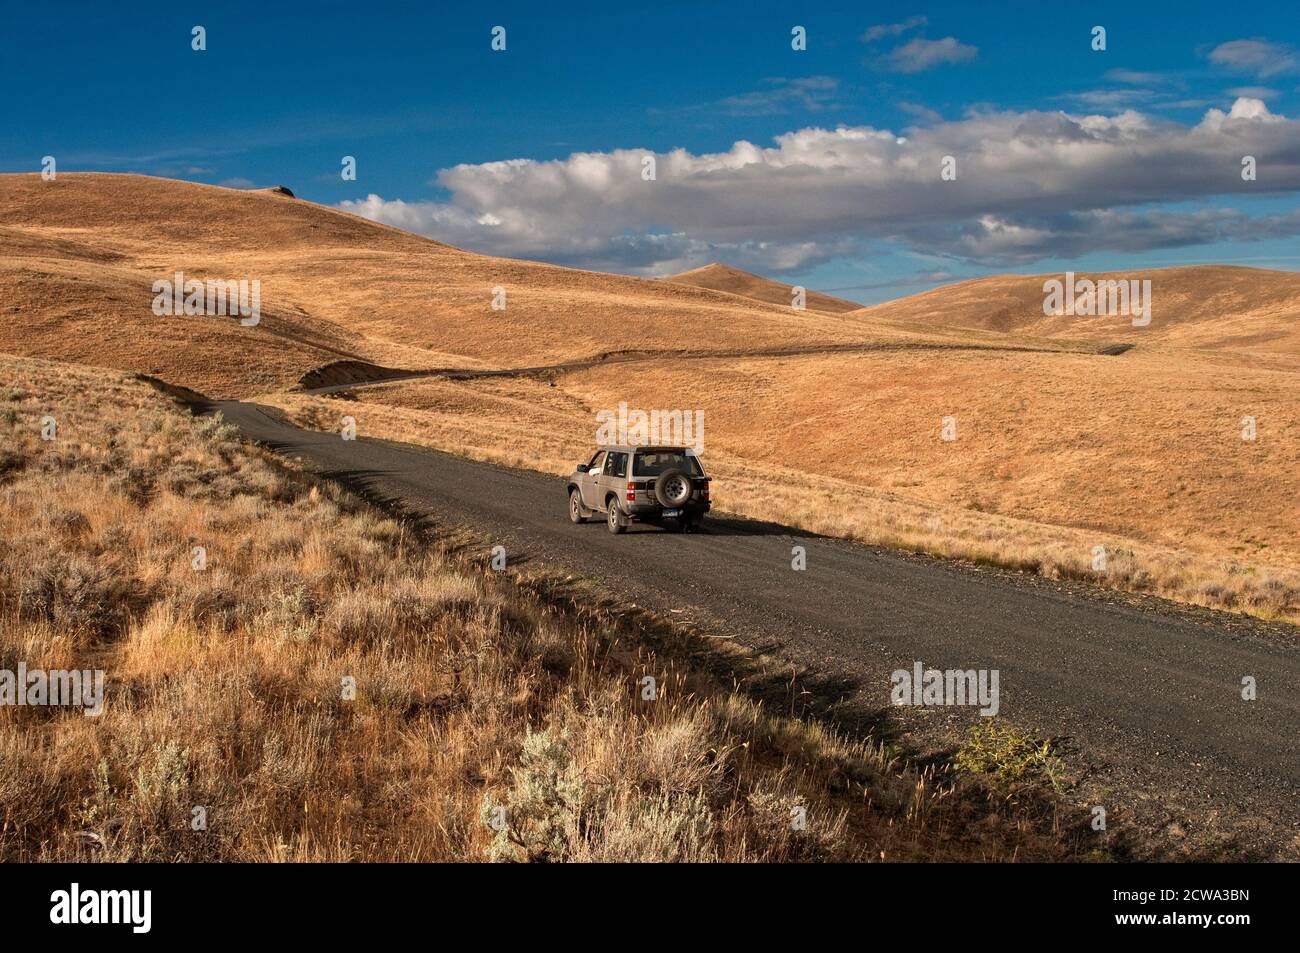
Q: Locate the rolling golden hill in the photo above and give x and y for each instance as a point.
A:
(720, 277)
(80, 255)
(830, 421)
(1223, 307)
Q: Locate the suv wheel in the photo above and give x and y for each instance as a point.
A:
(577, 512)
(613, 519)
(673, 488)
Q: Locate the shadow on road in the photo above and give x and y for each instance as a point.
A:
(712, 525)
(726, 525)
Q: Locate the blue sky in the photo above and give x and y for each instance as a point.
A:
(818, 166)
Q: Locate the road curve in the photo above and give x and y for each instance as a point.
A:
(1148, 692)
(393, 375)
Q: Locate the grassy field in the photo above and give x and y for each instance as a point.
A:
(474, 692)
(79, 256)
(1220, 308)
(1060, 450)
(1181, 506)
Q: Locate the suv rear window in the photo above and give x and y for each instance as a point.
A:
(655, 462)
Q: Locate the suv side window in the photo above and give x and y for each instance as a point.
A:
(597, 462)
(616, 465)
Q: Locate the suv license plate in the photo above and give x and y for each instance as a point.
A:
(672, 512)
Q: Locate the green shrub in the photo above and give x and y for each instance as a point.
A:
(1010, 758)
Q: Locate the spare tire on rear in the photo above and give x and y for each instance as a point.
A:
(673, 488)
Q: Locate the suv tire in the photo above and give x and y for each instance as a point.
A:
(613, 518)
(673, 488)
(577, 512)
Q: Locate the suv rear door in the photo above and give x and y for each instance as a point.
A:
(614, 477)
(588, 482)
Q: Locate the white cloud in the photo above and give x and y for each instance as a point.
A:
(921, 112)
(1259, 57)
(1137, 78)
(1254, 92)
(1243, 108)
(920, 54)
(1029, 185)
(883, 30)
(1109, 98)
(780, 95)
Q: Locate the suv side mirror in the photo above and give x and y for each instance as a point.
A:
(581, 468)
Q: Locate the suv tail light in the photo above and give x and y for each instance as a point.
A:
(631, 492)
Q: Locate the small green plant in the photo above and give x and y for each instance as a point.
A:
(214, 428)
(162, 788)
(545, 805)
(1012, 759)
(98, 808)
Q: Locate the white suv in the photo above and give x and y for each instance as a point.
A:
(641, 484)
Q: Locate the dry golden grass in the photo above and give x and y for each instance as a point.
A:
(224, 685)
(1058, 451)
(1066, 453)
(1216, 307)
(80, 255)
(721, 277)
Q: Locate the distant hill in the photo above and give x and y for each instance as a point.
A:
(79, 256)
(719, 277)
(1204, 306)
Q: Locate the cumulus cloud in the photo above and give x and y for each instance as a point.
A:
(994, 239)
(1259, 57)
(1243, 108)
(1029, 185)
